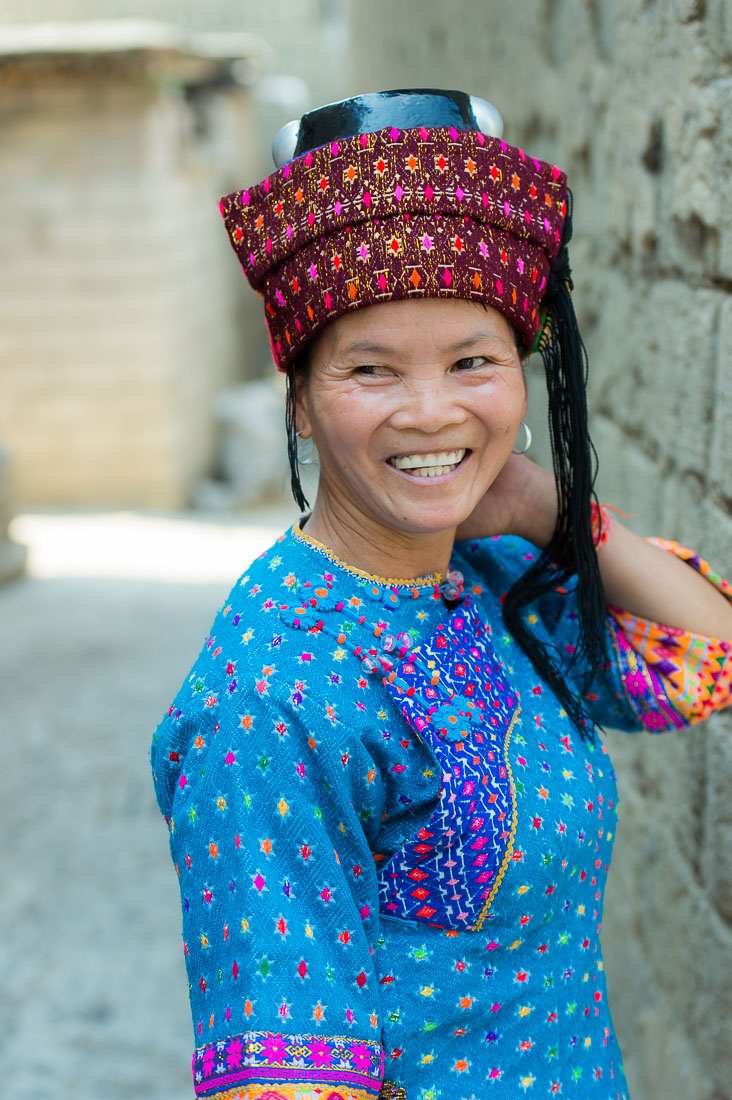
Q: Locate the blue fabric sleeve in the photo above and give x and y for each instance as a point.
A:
(657, 678)
(270, 824)
(554, 620)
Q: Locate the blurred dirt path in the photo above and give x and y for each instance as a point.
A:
(94, 643)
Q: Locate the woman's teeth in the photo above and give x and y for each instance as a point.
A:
(431, 465)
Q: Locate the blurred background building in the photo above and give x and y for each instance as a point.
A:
(127, 332)
(122, 309)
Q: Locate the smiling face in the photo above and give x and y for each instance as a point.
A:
(414, 407)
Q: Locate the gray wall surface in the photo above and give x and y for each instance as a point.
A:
(634, 100)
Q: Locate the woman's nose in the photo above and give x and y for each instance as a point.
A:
(426, 405)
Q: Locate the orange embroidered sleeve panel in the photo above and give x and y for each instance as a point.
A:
(672, 678)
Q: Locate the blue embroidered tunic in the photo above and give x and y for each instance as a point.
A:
(392, 842)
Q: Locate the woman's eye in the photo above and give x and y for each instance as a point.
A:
(471, 362)
(370, 369)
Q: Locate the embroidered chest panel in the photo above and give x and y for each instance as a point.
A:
(453, 691)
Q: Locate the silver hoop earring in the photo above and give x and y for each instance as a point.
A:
(310, 458)
(527, 443)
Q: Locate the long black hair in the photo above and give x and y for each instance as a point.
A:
(571, 550)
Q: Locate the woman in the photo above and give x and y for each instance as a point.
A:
(389, 809)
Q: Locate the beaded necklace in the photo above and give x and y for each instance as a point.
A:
(389, 591)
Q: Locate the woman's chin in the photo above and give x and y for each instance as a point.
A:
(429, 510)
(434, 518)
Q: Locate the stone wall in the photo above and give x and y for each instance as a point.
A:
(634, 99)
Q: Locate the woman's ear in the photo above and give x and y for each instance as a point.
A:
(297, 384)
(302, 406)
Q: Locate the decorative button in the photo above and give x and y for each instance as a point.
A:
(391, 598)
(452, 724)
(301, 617)
(453, 587)
(373, 592)
(326, 598)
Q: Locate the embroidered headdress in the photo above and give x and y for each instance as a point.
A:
(401, 212)
(409, 194)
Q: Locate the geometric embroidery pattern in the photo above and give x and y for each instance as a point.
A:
(397, 214)
(292, 1092)
(262, 1057)
(454, 693)
(672, 677)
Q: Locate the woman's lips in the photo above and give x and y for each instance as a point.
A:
(429, 465)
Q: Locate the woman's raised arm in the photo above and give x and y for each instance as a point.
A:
(639, 576)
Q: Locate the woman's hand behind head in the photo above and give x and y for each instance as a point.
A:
(522, 500)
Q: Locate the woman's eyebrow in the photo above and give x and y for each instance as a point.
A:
(367, 347)
(476, 340)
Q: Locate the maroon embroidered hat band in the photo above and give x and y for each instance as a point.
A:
(397, 214)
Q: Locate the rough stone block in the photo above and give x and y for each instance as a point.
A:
(658, 1054)
(627, 478)
(618, 349)
(675, 399)
(715, 534)
(717, 822)
(662, 1056)
(720, 465)
(723, 89)
(652, 355)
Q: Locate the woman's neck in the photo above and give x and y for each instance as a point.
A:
(365, 544)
